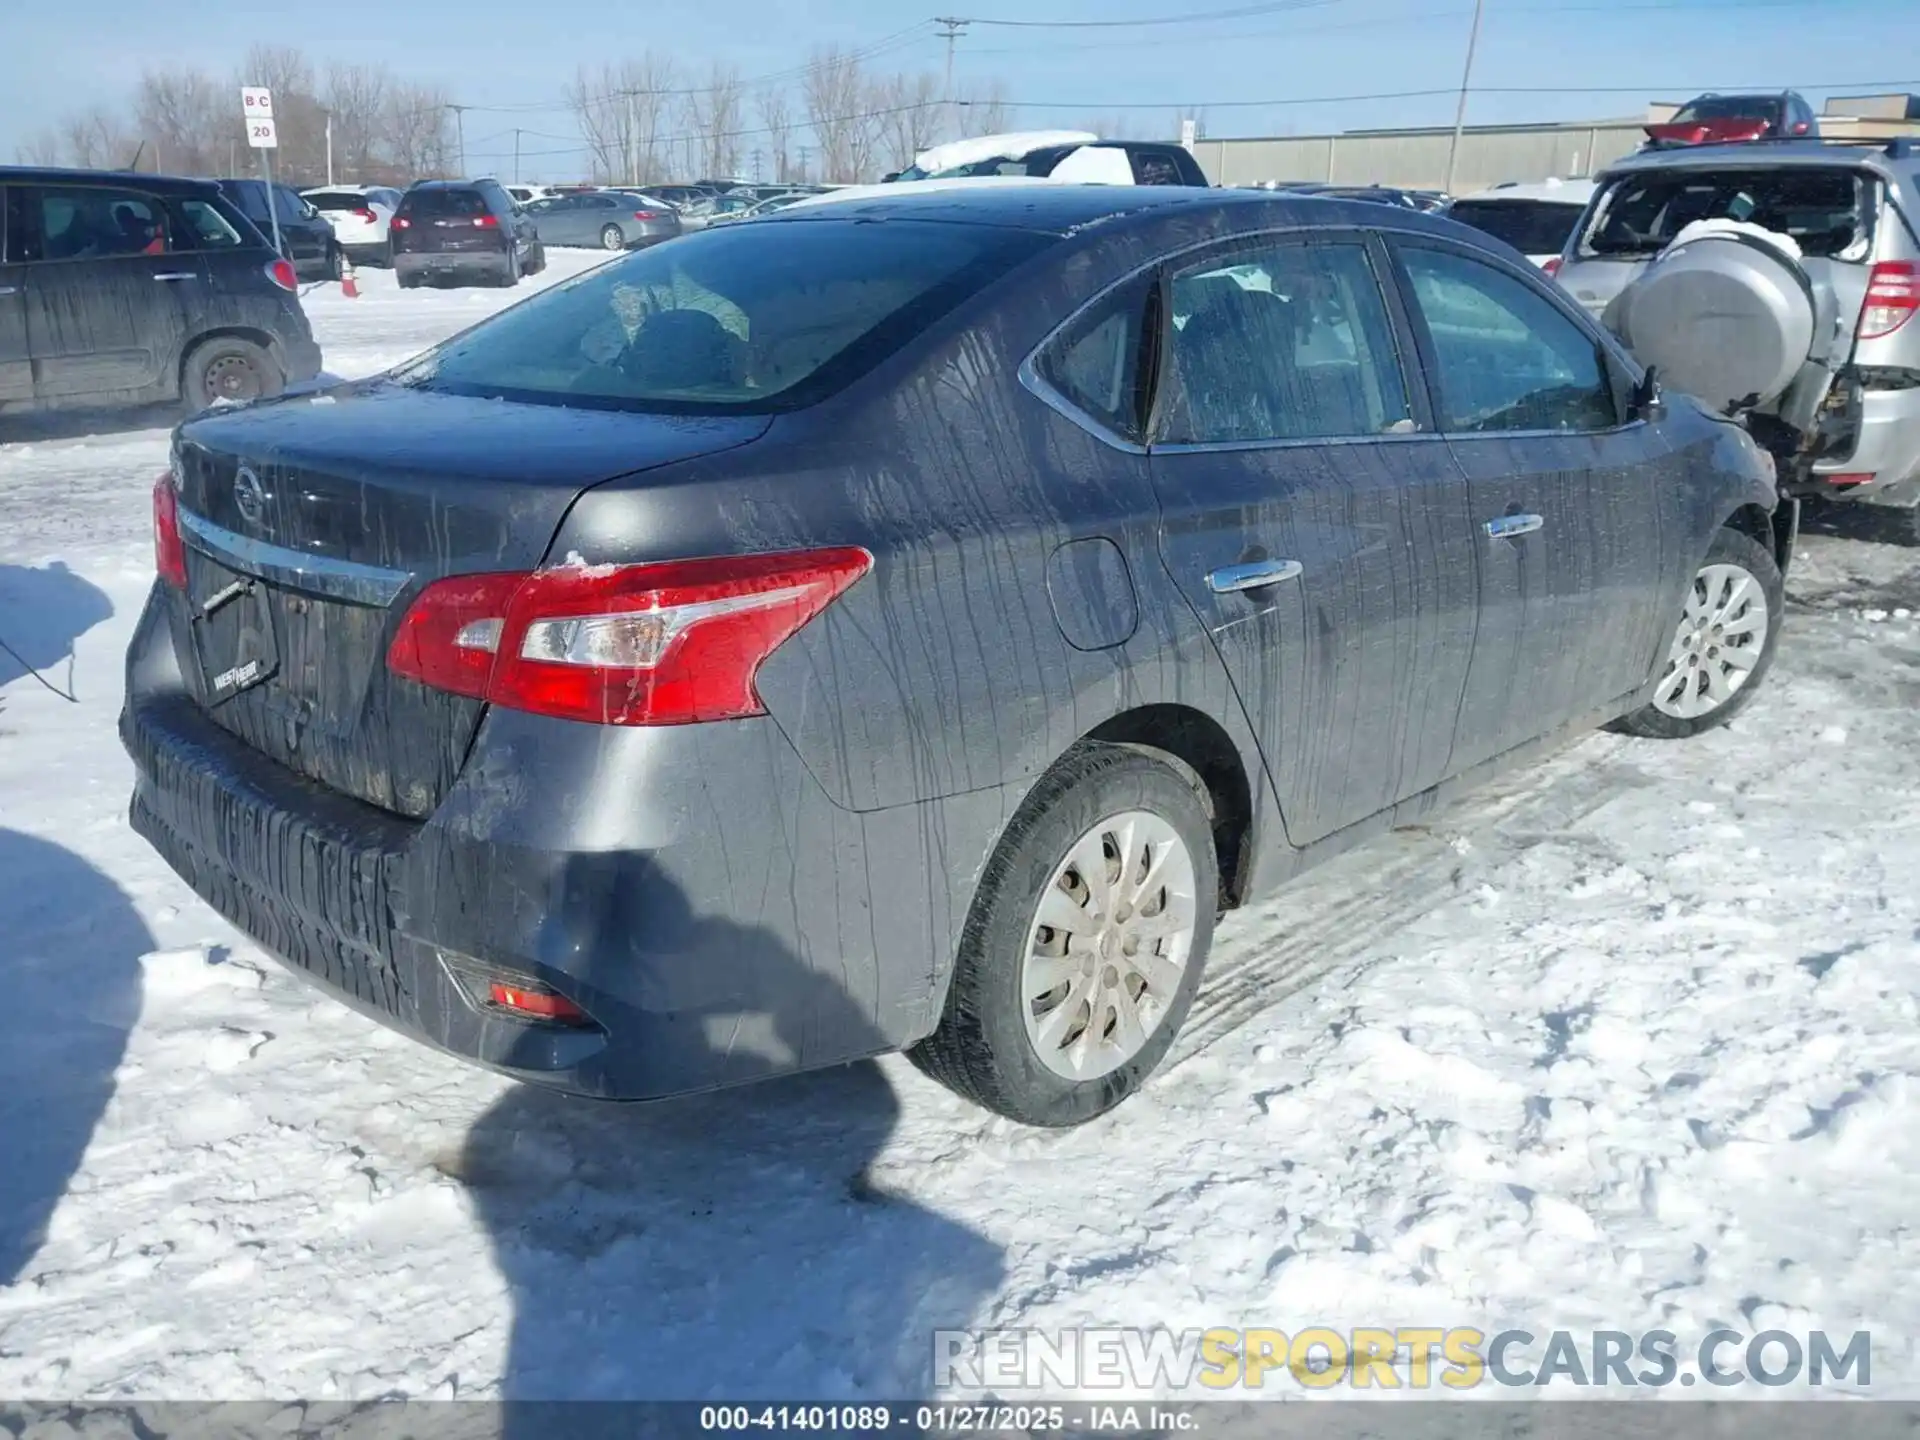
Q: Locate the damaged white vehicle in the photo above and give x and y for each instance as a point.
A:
(1778, 283)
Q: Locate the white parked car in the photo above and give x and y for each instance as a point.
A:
(361, 217)
(1535, 219)
(1031, 157)
(527, 194)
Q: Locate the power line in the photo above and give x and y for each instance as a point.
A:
(1242, 13)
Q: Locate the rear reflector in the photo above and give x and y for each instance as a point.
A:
(1893, 294)
(535, 1003)
(169, 550)
(1850, 478)
(282, 273)
(672, 643)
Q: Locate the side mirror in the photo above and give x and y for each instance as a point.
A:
(1649, 401)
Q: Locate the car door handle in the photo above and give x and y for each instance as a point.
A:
(178, 275)
(1508, 526)
(1251, 576)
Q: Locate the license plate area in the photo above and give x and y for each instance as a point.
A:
(233, 638)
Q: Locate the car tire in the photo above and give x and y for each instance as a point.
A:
(1737, 596)
(406, 281)
(537, 259)
(228, 368)
(1062, 1055)
(336, 263)
(510, 276)
(612, 237)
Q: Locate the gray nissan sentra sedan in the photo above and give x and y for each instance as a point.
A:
(908, 624)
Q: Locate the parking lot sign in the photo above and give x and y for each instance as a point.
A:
(256, 104)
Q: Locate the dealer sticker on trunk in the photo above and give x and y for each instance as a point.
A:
(236, 678)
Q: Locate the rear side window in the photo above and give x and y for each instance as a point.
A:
(739, 319)
(288, 204)
(1288, 342)
(1533, 227)
(207, 228)
(1828, 212)
(1096, 363)
(1155, 167)
(444, 204)
(251, 197)
(1505, 357)
(89, 223)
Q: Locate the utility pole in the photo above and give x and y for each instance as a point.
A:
(516, 155)
(1466, 81)
(329, 115)
(952, 27)
(460, 134)
(633, 140)
(806, 151)
(756, 164)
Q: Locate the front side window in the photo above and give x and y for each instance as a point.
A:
(738, 319)
(1505, 356)
(1096, 363)
(251, 197)
(1285, 342)
(89, 223)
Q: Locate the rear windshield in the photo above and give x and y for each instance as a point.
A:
(1533, 227)
(1829, 212)
(336, 200)
(444, 203)
(736, 319)
(1732, 107)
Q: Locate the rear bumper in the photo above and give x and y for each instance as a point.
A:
(455, 262)
(1888, 448)
(691, 888)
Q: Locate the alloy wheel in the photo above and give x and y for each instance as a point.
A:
(1722, 635)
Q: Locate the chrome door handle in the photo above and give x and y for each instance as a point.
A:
(178, 275)
(1508, 526)
(1251, 576)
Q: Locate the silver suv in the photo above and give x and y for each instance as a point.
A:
(1853, 212)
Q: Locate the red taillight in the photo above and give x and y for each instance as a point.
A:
(672, 643)
(486, 222)
(367, 215)
(1893, 294)
(1551, 267)
(282, 273)
(1850, 478)
(535, 1004)
(646, 214)
(169, 550)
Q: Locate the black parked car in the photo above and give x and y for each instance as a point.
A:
(462, 229)
(139, 289)
(921, 656)
(306, 236)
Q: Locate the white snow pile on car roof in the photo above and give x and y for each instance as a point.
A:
(1010, 145)
(1704, 229)
(897, 188)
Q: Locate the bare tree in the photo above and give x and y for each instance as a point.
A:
(987, 111)
(1116, 127)
(776, 118)
(715, 110)
(356, 102)
(43, 147)
(97, 139)
(179, 113)
(836, 95)
(298, 115)
(621, 109)
(909, 118)
(417, 137)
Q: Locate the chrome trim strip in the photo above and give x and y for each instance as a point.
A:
(1251, 576)
(297, 570)
(1508, 526)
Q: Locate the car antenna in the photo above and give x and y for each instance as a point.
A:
(139, 150)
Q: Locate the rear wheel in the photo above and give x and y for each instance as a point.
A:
(1723, 645)
(537, 259)
(1085, 942)
(229, 368)
(336, 263)
(612, 238)
(407, 281)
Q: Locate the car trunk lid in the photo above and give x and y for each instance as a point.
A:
(310, 525)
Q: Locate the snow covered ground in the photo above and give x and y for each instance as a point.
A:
(1629, 1042)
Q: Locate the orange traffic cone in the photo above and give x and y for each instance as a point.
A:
(349, 287)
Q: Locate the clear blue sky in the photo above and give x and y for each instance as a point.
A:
(518, 54)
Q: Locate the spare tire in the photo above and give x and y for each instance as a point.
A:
(1729, 318)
